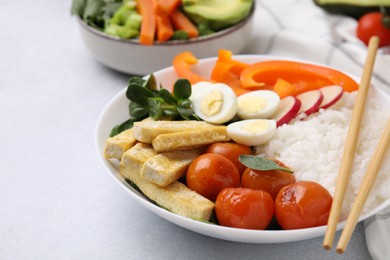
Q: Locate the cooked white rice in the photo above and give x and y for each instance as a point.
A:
(314, 147)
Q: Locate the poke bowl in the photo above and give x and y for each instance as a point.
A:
(129, 54)
(307, 154)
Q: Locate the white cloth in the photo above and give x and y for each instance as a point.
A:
(300, 29)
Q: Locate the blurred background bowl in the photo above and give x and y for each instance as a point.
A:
(130, 57)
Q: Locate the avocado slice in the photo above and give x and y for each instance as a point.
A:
(217, 14)
(353, 8)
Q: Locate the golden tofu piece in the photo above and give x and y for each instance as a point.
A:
(186, 140)
(165, 168)
(175, 197)
(115, 146)
(146, 131)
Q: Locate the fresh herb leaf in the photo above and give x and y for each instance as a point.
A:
(185, 112)
(136, 80)
(138, 94)
(182, 89)
(122, 127)
(260, 163)
(78, 7)
(135, 186)
(151, 83)
(93, 9)
(145, 101)
(155, 110)
(167, 96)
(186, 103)
(138, 111)
(109, 10)
(170, 113)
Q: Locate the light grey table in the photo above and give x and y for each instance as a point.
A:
(56, 201)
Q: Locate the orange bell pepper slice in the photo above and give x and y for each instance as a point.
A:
(226, 70)
(181, 64)
(227, 56)
(303, 76)
(284, 88)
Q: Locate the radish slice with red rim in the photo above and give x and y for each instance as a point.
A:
(331, 94)
(287, 110)
(311, 101)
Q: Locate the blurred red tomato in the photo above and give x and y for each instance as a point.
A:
(270, 181)
(210, 173)
(244, 208)
(231, 151)
(303, 204)
(371, 24)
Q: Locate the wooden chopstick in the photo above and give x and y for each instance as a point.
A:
(368, 181)
(350, 144)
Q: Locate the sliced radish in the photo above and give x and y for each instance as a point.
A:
(287, 110)
(331, 94)
(311, 101)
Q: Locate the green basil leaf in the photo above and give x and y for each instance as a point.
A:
(138, 94)
(155, 110)
(122, 127)
(260, 163)
(167, 97)
(182, 89)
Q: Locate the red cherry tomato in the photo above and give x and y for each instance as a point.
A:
(210, 173)
(303, 204)
(231, 151)
(244, 208)
(270, 181)
(371, 24)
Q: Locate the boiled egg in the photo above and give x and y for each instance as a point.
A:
(214, 103)
(257, 104)
(252, 131)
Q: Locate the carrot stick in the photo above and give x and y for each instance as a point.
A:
(166, 7)
(181, 22)
(148, 24)
(164, 28)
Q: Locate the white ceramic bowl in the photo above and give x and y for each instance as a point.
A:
(130, 57)
(116, 111)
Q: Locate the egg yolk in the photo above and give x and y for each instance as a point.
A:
(257, 126)
(252, 105)
(212, 103)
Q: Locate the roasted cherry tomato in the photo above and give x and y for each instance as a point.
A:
(244, 208)
(371, 24)
(231, 151)
(210, 173)
(303, 204)
(270, 181)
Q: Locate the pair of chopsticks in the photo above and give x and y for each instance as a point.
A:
(347, 160)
